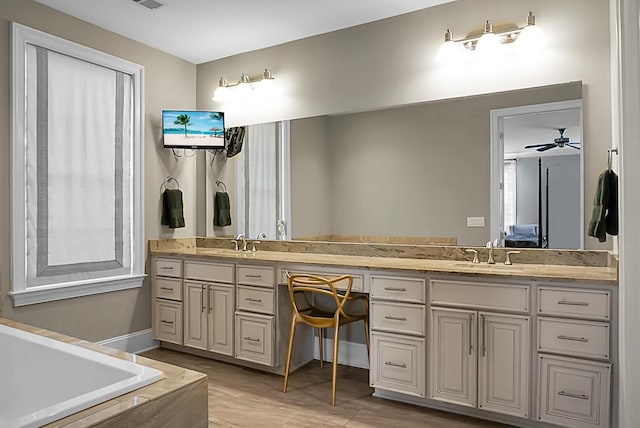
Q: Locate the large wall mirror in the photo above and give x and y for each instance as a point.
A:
(417, 173)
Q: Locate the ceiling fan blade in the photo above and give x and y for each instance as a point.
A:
(532, 146)
(573, 145)
(548, 147)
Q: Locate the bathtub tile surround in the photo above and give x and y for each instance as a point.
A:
(178, 399)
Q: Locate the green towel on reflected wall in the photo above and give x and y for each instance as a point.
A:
(604, 217)
(221, 210)
(172, 209)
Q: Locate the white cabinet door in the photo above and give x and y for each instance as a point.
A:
(220, 320)
(503, 363)
(453, 356)
(397, 363)
(255, 338)
(195, 315)
(167, 321)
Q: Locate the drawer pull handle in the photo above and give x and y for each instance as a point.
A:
(251, 299)
(389, 363)
(572, 395)
(571, 303)
(166, 322)
(249, 275)
(166, 288)
(395, 289)
(575, 339)
(166, 267)
(251, 339)
(389, 317)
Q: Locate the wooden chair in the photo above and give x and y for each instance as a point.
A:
(303, 290)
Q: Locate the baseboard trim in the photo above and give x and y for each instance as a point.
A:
(349, 353)
(134, 343)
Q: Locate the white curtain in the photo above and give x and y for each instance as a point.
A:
(78, 163)
(257, 181)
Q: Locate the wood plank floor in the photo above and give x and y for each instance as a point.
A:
(242, 397)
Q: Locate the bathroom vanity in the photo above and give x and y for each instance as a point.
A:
(530, 344)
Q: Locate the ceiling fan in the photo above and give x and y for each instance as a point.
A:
(561, 141)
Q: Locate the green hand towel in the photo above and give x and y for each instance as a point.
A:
(172, 213)
(221, 210)
(597, 225)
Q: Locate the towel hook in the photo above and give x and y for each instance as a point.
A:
(221, 184)
(610, 155)
(166, 181)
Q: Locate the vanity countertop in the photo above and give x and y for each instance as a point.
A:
(523, 271)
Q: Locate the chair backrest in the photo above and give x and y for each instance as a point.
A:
(307, 283)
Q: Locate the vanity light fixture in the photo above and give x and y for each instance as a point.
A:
(489, 40)
(244, 88)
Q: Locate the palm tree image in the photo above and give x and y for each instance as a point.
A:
(216, 116)
(184, 120)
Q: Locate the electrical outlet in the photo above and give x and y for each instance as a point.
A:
(475, 221)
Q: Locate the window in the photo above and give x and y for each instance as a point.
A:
(76, 170)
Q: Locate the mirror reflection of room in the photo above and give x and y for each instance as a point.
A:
(542, 180)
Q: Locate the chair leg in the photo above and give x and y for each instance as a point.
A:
(320, 341)
(334, 373)
(292, 334)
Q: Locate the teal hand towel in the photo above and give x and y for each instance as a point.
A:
(221, 209)
(172, 209)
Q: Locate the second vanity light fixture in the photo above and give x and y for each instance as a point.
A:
(244, 88)
(488, 42)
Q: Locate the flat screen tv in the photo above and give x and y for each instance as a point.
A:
(190, 129)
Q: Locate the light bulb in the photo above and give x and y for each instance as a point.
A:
(243, 89)
(449, 51)
(531, 36)
(488, 44)
(221, 94)
(266, 85)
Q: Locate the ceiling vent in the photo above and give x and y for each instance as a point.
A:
(149, 4)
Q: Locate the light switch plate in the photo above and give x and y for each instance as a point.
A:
(475, 221)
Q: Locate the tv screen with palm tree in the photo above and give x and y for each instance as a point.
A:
(188, 129)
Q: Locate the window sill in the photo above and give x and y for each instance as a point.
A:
(51, 293)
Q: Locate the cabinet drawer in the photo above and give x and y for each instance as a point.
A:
(168, 267)
(254, 299)
(574, 302)
(398, 317)
(254, 338)
(480, 295)
(398, 363)
(358, 280)
(211, 272)
(573, 337)
(257, 275)
(574, 393)
(165, 288)
(398, 288)
(167, 321)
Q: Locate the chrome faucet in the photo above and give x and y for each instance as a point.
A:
(490, 260)
(239, 238)
(261, 235)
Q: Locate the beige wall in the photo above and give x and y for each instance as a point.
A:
(169, 83)
(391, 62)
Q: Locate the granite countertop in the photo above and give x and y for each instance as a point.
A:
(174, 378)
(523, 271)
